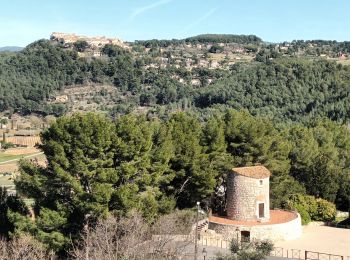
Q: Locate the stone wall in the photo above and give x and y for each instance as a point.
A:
(274, 232)
(243, 196)
(95, 41)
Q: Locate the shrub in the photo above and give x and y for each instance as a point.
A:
(24, 247)
(311, 208)
(80, 45)
(326, 210)
(234, 246)
(251, 255)
(6, 145)
(256, 250)
(265, 247)
(304, 215)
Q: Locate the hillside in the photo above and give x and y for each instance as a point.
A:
(285, 106)
(11, 48)
(294, 81)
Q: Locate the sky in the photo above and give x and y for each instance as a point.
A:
(24, 21)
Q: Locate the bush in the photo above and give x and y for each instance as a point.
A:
(326, 210)
(24, 247)
(220, 256)
(6, 145)
(265, 247)
(216, 49)
(234, 246)
(251, 255)
(304, 215)
(311, 208)
(256, 250)
(80, 45)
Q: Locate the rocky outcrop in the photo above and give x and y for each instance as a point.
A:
(94, 41)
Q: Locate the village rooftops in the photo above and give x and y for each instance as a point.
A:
(256, 172)
(96, 41)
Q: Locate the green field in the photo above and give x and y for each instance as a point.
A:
(6, 181)
(7, 157)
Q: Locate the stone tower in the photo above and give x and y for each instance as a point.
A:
(248, 194)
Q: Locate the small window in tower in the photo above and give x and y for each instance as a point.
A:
(261, 182)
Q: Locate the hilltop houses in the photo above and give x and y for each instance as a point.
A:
(96, 41)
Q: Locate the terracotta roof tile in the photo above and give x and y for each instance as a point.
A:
(257, 172)
(276, 217)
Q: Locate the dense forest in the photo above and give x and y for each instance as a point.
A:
(204, 38)
(273, 86)
(97, 167)
(287, 89)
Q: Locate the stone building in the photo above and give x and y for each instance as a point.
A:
(94, 41)
(248, 194)
(248, 209)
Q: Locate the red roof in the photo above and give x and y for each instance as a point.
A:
(276, 217)
(257, 172)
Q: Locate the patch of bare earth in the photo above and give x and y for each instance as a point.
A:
(21, 151)
(9, 167)
(322, 239)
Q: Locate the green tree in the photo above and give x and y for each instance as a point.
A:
(9, 204)
(194, 176)
(81, 45)
(142, 166)
(319, 157)
(76, 185)
(255, 141)
(112, 50)
(3, 121)
(94, 167)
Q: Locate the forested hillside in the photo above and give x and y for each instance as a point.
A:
(204, 38)
(171, 119)
(274, 85)
(97, 167)
(289, 89)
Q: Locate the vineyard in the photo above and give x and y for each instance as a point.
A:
(28, 141)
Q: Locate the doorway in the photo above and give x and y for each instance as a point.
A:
(261, 210)
(245, 236)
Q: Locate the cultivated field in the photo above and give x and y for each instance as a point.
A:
(29, 141)
(9, 164)
(9, 159)
(231, 56)
(17, 153)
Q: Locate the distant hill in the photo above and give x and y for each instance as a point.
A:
(224, 38)
(11, 48)
(290, 81)
(204, 39)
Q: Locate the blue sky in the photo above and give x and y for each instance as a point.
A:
(24, 21)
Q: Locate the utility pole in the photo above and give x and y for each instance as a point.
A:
(196, 234)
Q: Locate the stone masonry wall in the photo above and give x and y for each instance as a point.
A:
(244, 194)
(276, 232)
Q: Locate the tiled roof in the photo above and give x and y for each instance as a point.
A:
(257, 172)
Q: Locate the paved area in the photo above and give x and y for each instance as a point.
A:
(212, 253)
(276, 217)
(322, 239)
